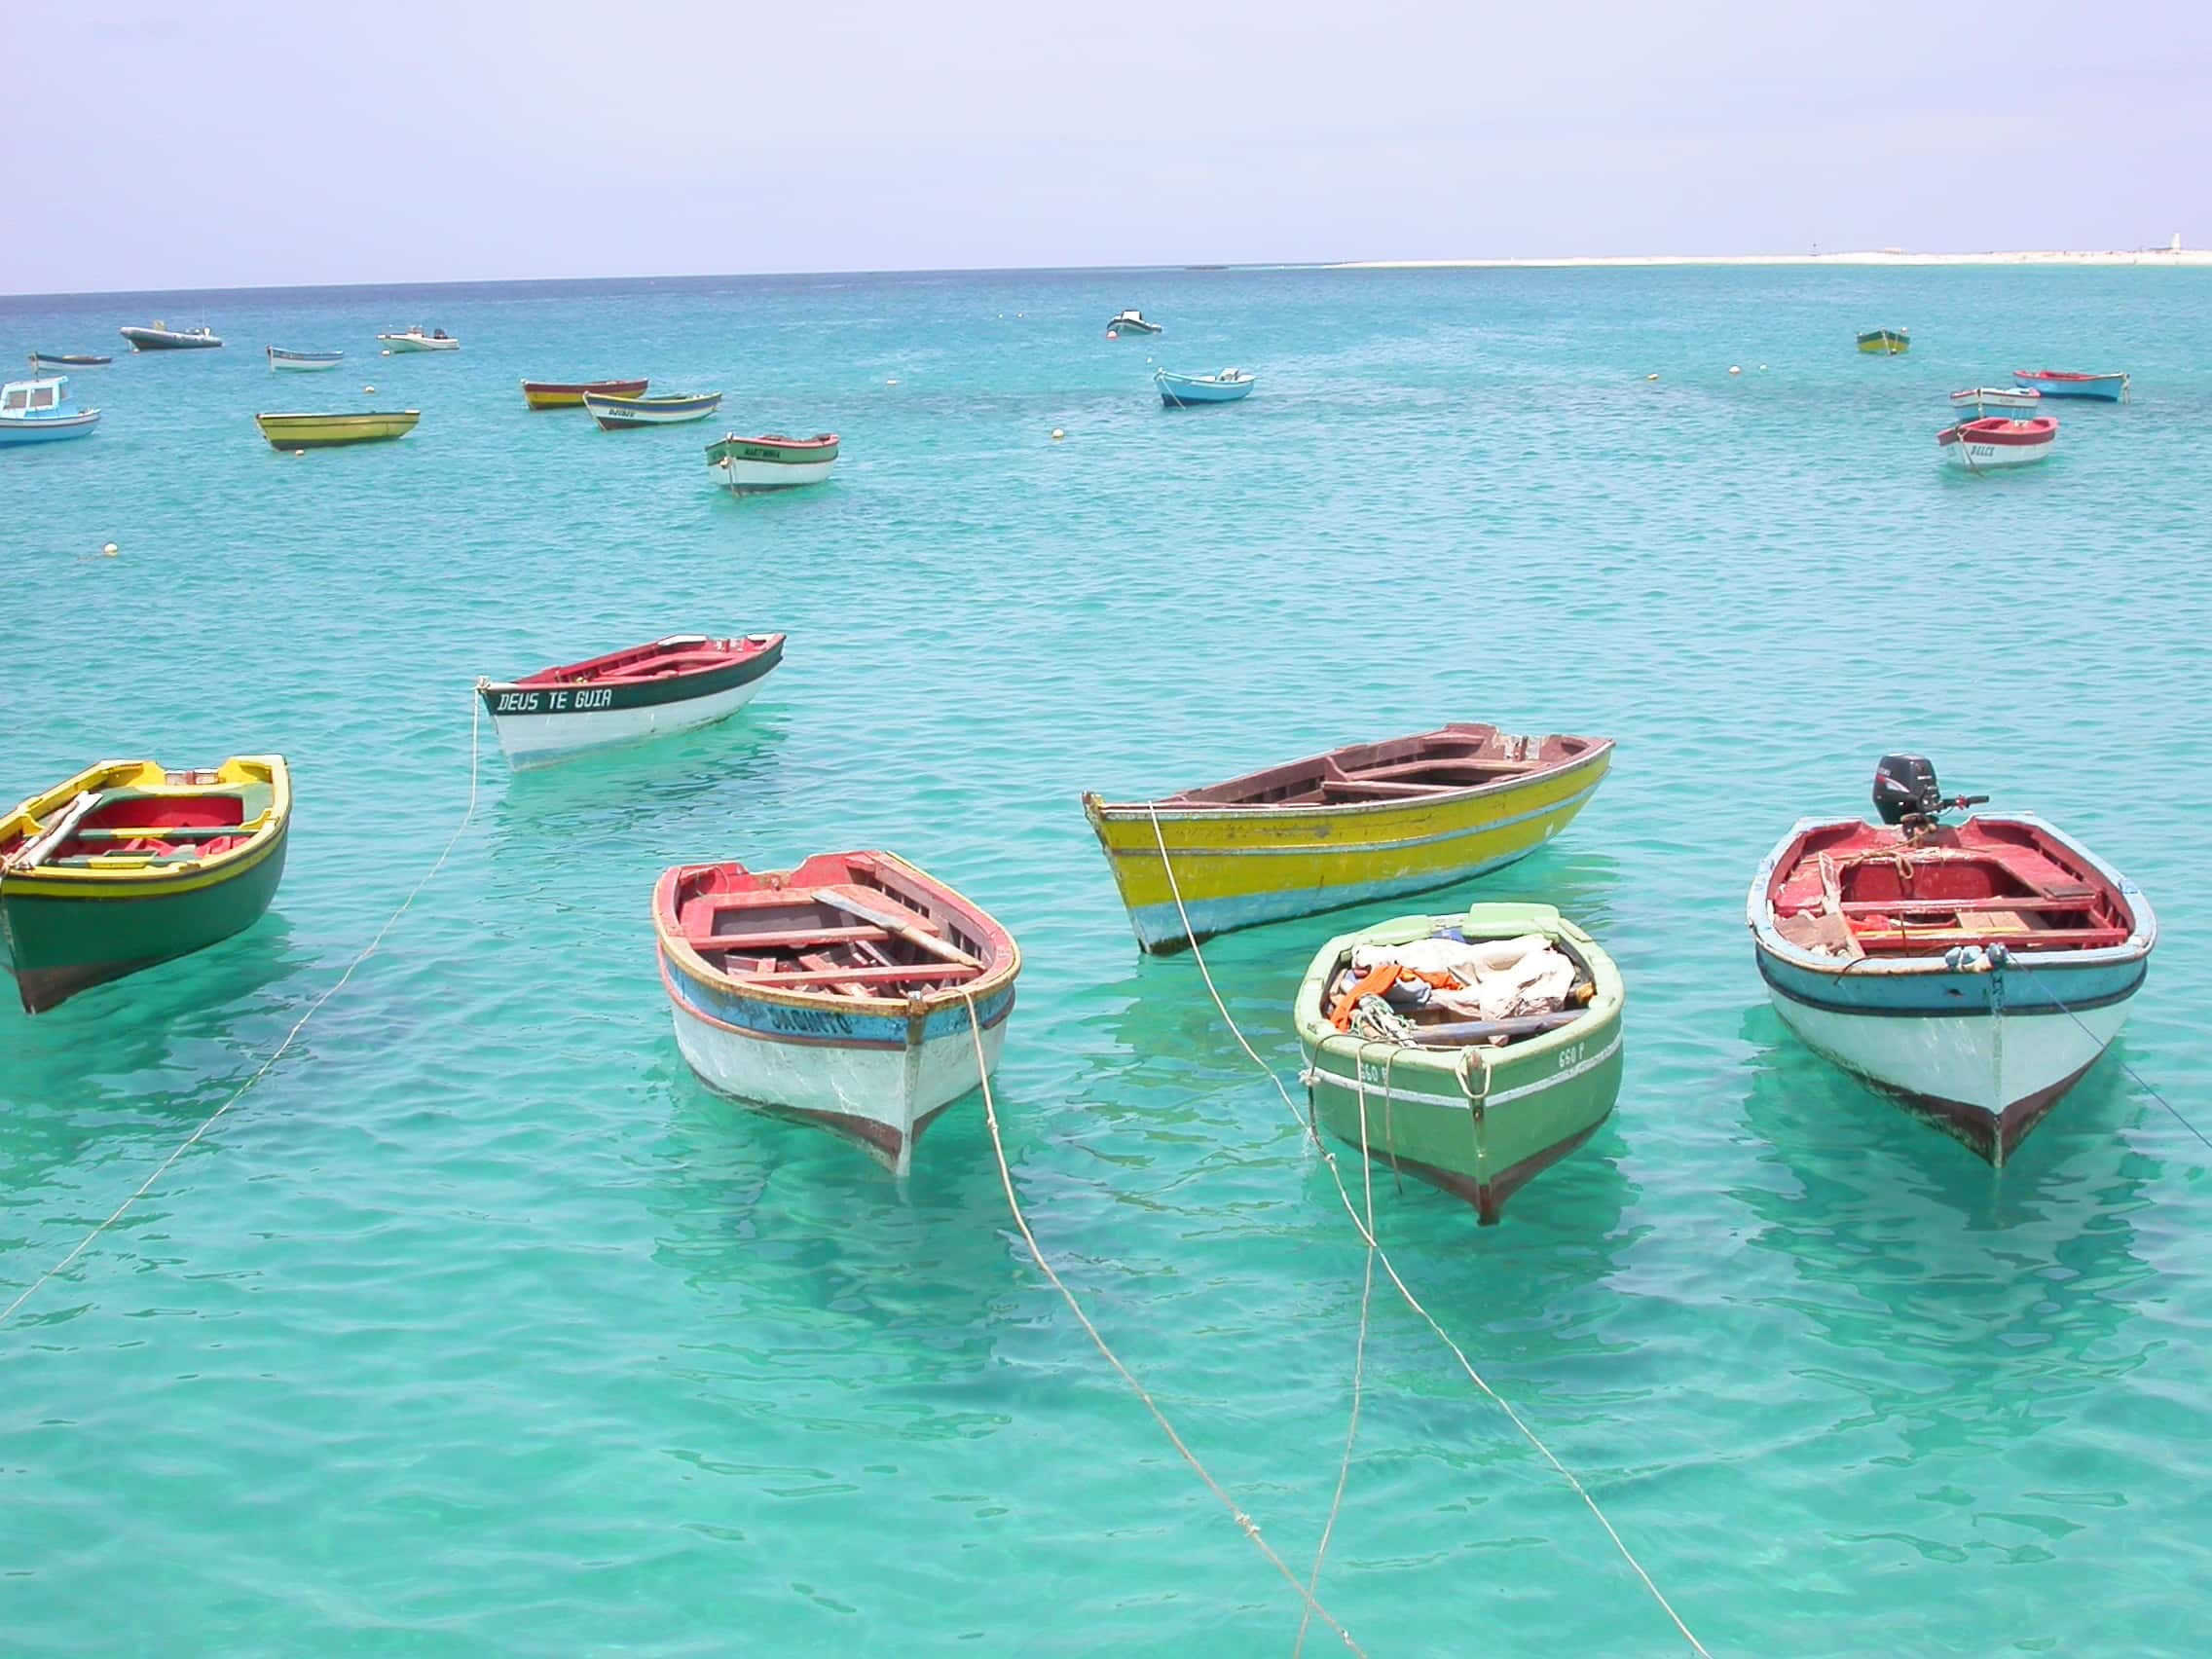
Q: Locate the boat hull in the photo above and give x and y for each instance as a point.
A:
(303, 362)
(79, 361)
(1973, 453)
(1482, 1128)
(164, 340)
(538, 739)
(750, 465)
(1179, 393)
(552, 395)
(880, 1080)
(399, 342)
(1885, 343)
(2103, 389)
(1237, 867)
(620, 414)
(1997, 397)
(329, 431)
(46, 429)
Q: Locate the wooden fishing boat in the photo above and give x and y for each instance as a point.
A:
(1975, 971)
(1983, 398)
(1366, 822)
(840, 990)
(302, 363)
(160, 337)
(617, 413)
(327, 432)
(1179, 392)
(1479, 1096)
(1979, 446)
(44, 360)
(626, 696)
(570, 395)
(2055, 383)
(1130, 322)
(417, 339)
(127, 865)
(1886, 342)
(743, 465)
(39, 411)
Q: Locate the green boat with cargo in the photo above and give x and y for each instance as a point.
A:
(1473, 1051)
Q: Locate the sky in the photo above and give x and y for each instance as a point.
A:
(240, 143)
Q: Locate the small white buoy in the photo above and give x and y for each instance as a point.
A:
(110, 550)
(368, 389)
(1762, 368)
(1113, 334)
(1057, 435)
(296, 454)
(1735, 368)
(385, 352)
(1650, 377)
(893, 381)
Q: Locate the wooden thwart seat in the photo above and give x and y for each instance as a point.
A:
(894, 974)
(1907, 907)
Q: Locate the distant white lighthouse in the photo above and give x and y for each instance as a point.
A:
(2176, 248)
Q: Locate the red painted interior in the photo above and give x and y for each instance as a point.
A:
(657, 662)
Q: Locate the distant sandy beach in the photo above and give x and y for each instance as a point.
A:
(2185, 256)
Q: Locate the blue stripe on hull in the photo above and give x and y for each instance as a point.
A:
(833, 1027)
(2046, 987)
(36, 432)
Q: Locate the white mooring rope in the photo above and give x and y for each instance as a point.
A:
(1249, 1526)
(1367, 1231)
(163, 1168)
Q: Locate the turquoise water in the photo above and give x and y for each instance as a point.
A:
(479, 1326)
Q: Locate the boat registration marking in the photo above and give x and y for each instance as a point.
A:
(554, 702)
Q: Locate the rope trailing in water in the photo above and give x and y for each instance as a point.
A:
(1344, 1195)
(189, 1141)
(2140, 1080)
(1250, 1528)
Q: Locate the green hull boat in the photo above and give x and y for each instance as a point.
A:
(1476, 1117)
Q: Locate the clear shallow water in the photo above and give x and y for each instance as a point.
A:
(480, 1326)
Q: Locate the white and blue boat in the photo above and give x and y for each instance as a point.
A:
(1180, 392)
(302, 363)
(2062, 383)
(38, 411)
(1974, 970)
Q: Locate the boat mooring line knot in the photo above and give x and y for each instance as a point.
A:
(1367, 1232)
(1244, 1522)
(261, 1071)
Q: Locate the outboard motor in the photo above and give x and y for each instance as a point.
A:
(1906, 793)
(1906, 786)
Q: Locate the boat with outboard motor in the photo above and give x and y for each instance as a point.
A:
(418, 338)
(160, 337)
(1975, 970)
(1132, 322)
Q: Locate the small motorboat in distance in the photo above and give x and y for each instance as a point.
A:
(854, 990)
(1130, 322)
(1472, 1051)
(2055, 383)
(127, 865)
(44, 360)
(1993, 441)
(1983, 398)
(626, 696)
(743, 465)
(415, 339)
(570, 394)
(329, 431)
(39, 411)
(1886, 342)
(615, 413)
(1362, 823)
(1977, 971)
(1179, 392)
(160, 337)
(302, 363)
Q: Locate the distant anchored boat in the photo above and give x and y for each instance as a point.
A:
(1180, 390)
(771, 462)
(44, 360)
(328, 431)
(615, 413)
(160, 337)
(38, 411)
(415, 339)
(570, 394)
(1130, 322)
(854, 990)
(2056, 382)
(1886, 342)
(302, 363)
(1985, 397)
(1993, 441)
(672, 684)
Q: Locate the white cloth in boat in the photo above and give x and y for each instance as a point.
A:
(1500, 978)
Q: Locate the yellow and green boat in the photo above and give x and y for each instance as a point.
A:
(1886, 342)
(1367, 822)
(127, 865)
(326, 431)
(1480, 1104)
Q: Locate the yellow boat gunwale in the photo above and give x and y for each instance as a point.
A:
(293, 429)
(124, 878)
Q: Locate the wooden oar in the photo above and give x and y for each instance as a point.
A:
(39, 846)
(1465, 1033)
(895, 921)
